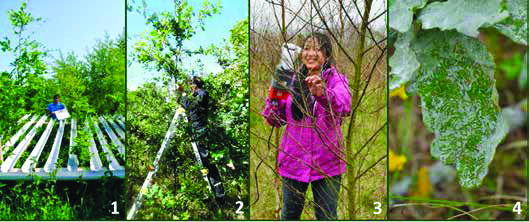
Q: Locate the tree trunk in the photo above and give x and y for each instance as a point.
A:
(351, 183)
(341, 17)
(277, 181)
(283, 26)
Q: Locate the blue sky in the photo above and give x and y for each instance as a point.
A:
(217, 28)
(69, 26)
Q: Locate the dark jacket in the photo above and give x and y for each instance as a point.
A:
(197, 107)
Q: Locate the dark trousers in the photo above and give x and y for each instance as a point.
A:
(200, 137)
(325, 192)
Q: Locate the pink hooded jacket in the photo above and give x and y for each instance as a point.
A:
(310, 150)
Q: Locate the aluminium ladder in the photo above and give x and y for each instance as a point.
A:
(180, 115)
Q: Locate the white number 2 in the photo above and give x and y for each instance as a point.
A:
(241, 204)
(115, 204)
(378, 208)
(517, 208)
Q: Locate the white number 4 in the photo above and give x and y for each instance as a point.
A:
(378, 208)
(517, 208)
(241, 204)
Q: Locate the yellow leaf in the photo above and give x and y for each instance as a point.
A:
(423, 184)
(396, 162)
(400, 92)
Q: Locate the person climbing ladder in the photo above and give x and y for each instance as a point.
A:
(197, 108)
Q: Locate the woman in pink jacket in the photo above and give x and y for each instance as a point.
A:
(312, 148)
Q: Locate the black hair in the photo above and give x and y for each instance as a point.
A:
(197, 81)
(324, 42)
(301, 99)
(56, 96)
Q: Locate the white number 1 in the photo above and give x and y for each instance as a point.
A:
(115, 204)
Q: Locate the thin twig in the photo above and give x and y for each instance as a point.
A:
(479, 209)
(430, 205)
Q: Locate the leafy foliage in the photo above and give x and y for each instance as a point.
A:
(515, 26)
(29, 53)
(404, 61)
(452, 71)
(49, 200)
(148, 118)
(464, 16)
(20, 84)
(401, 13)
(105, 76)
(81, 147)
(229, 88)
(456, 85)
(161, 46)
(97, 84)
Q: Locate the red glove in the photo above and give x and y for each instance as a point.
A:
(277, 94)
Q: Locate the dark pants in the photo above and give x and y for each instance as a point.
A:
(325, 192)
(200, 137)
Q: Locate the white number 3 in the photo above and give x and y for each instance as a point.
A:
(378, 208)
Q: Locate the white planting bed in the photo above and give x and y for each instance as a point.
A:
(112, 127)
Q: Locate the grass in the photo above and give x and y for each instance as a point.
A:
(50, 200)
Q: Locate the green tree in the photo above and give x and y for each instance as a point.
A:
(105, 77)
(19, 86)
(69, 73)
(230, 89)
(161, 47)
(95, 85)
(28, 53)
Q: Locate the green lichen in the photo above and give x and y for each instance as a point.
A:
(459, 101)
